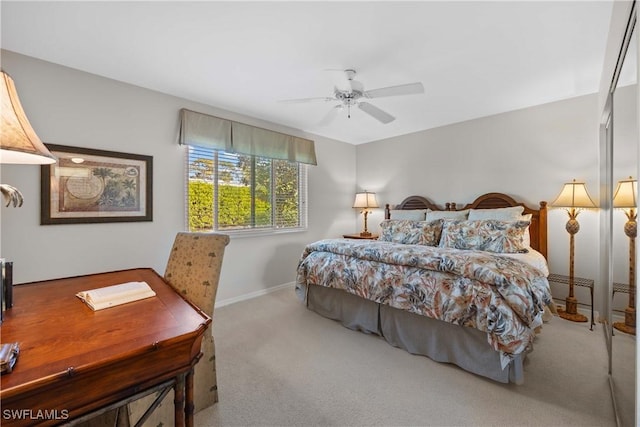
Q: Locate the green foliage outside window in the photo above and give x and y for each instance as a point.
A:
(235, 197)
(200, 205)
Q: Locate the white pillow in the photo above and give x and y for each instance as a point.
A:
(433, 215)
(409, 214)
(501, 214)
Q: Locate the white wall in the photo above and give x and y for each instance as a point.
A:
(527, 154)
(70, 107)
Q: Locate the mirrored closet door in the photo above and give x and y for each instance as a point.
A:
(619, 173)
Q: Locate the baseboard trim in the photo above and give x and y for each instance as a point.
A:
(252, 295)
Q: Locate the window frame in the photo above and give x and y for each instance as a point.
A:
(253, 231)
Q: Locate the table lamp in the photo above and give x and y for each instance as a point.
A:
(365, 201)
(573, 197)
(19, 143)
(625, 198)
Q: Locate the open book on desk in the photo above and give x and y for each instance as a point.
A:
(111, 296)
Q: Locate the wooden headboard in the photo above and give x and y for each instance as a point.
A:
(537, 229)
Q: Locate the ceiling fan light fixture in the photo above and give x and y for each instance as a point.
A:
(355, 91)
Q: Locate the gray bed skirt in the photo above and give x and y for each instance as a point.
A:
(443, 342)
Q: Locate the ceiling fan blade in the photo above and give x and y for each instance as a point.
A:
(376, 113)
(406, 89)
(302, 100)
(330, 116)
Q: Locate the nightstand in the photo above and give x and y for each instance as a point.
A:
(358, 236)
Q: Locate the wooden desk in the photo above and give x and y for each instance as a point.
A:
(74, 361)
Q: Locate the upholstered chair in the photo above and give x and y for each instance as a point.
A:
(193, 270)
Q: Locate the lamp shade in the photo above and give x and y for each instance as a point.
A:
(626, 194)
(365, 200)
(574, 195)
(19, 143)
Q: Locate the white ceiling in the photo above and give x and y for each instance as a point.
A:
(473, 58)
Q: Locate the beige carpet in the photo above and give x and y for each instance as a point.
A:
(280, 364)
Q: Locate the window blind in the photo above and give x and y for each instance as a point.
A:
(229, 191)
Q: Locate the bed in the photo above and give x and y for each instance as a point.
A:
(462, 285)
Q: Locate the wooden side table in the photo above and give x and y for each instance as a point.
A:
(358, 236)
(577, 281)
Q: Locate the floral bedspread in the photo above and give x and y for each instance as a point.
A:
(498, 295)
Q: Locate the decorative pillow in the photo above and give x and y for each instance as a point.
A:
(433, 215)
(527, 234)
(513, 213)
(411, 232)
(485, 235)
(503, 214)
(412, 214)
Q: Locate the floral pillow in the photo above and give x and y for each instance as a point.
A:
(411, 232)
(485, 235)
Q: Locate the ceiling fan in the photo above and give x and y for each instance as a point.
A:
(353, 94)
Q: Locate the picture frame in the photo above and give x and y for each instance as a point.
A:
(7, 284)
(95, 186)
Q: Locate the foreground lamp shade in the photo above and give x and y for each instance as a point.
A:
(19, 143)
(625, 198)
(365, 201)
(574, 196)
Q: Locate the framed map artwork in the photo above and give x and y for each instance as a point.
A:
(92, 186)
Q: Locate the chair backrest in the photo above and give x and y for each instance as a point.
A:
(194, 267)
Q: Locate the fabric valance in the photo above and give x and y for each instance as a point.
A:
(204, 130)
(234, 137)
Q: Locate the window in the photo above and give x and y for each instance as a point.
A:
(233, 192)
(244, 178)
